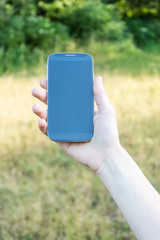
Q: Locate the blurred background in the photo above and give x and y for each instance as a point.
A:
(45, 194)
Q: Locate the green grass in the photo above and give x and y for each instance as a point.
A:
(113, 58)
(44, 194)
(125, 59)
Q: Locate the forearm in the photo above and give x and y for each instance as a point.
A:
(132, 192)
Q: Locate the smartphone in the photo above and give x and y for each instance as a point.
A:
(70, 97)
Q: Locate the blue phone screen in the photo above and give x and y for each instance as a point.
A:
(70, 98)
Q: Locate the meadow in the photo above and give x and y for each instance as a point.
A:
(44, 193)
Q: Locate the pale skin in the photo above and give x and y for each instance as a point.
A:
(134, 195)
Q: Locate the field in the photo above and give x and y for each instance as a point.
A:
(45, 194)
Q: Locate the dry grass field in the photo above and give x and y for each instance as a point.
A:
(45, 194)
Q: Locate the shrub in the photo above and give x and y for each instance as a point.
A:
(94, 19)
(28, 36)
(145, 31)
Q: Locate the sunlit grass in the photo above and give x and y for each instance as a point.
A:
(44, 194)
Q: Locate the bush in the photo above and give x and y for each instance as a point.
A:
(145, 31)
(38, 26)
(95, 20)
(113, 28)
(24, 37)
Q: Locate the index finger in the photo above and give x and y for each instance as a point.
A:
(43, 83)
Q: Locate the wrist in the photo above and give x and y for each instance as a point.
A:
(110, 158)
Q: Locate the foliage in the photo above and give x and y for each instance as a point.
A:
(143, 20)
(26, 34)
(28, 31)
(146, 33)
(139, 8)
(95, 21)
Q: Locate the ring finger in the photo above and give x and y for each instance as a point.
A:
(40, 93)
(40, 111)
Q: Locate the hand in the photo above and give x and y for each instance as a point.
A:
(105, 139)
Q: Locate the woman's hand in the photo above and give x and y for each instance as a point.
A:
(105, 139)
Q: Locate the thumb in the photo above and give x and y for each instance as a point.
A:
(100, 95)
